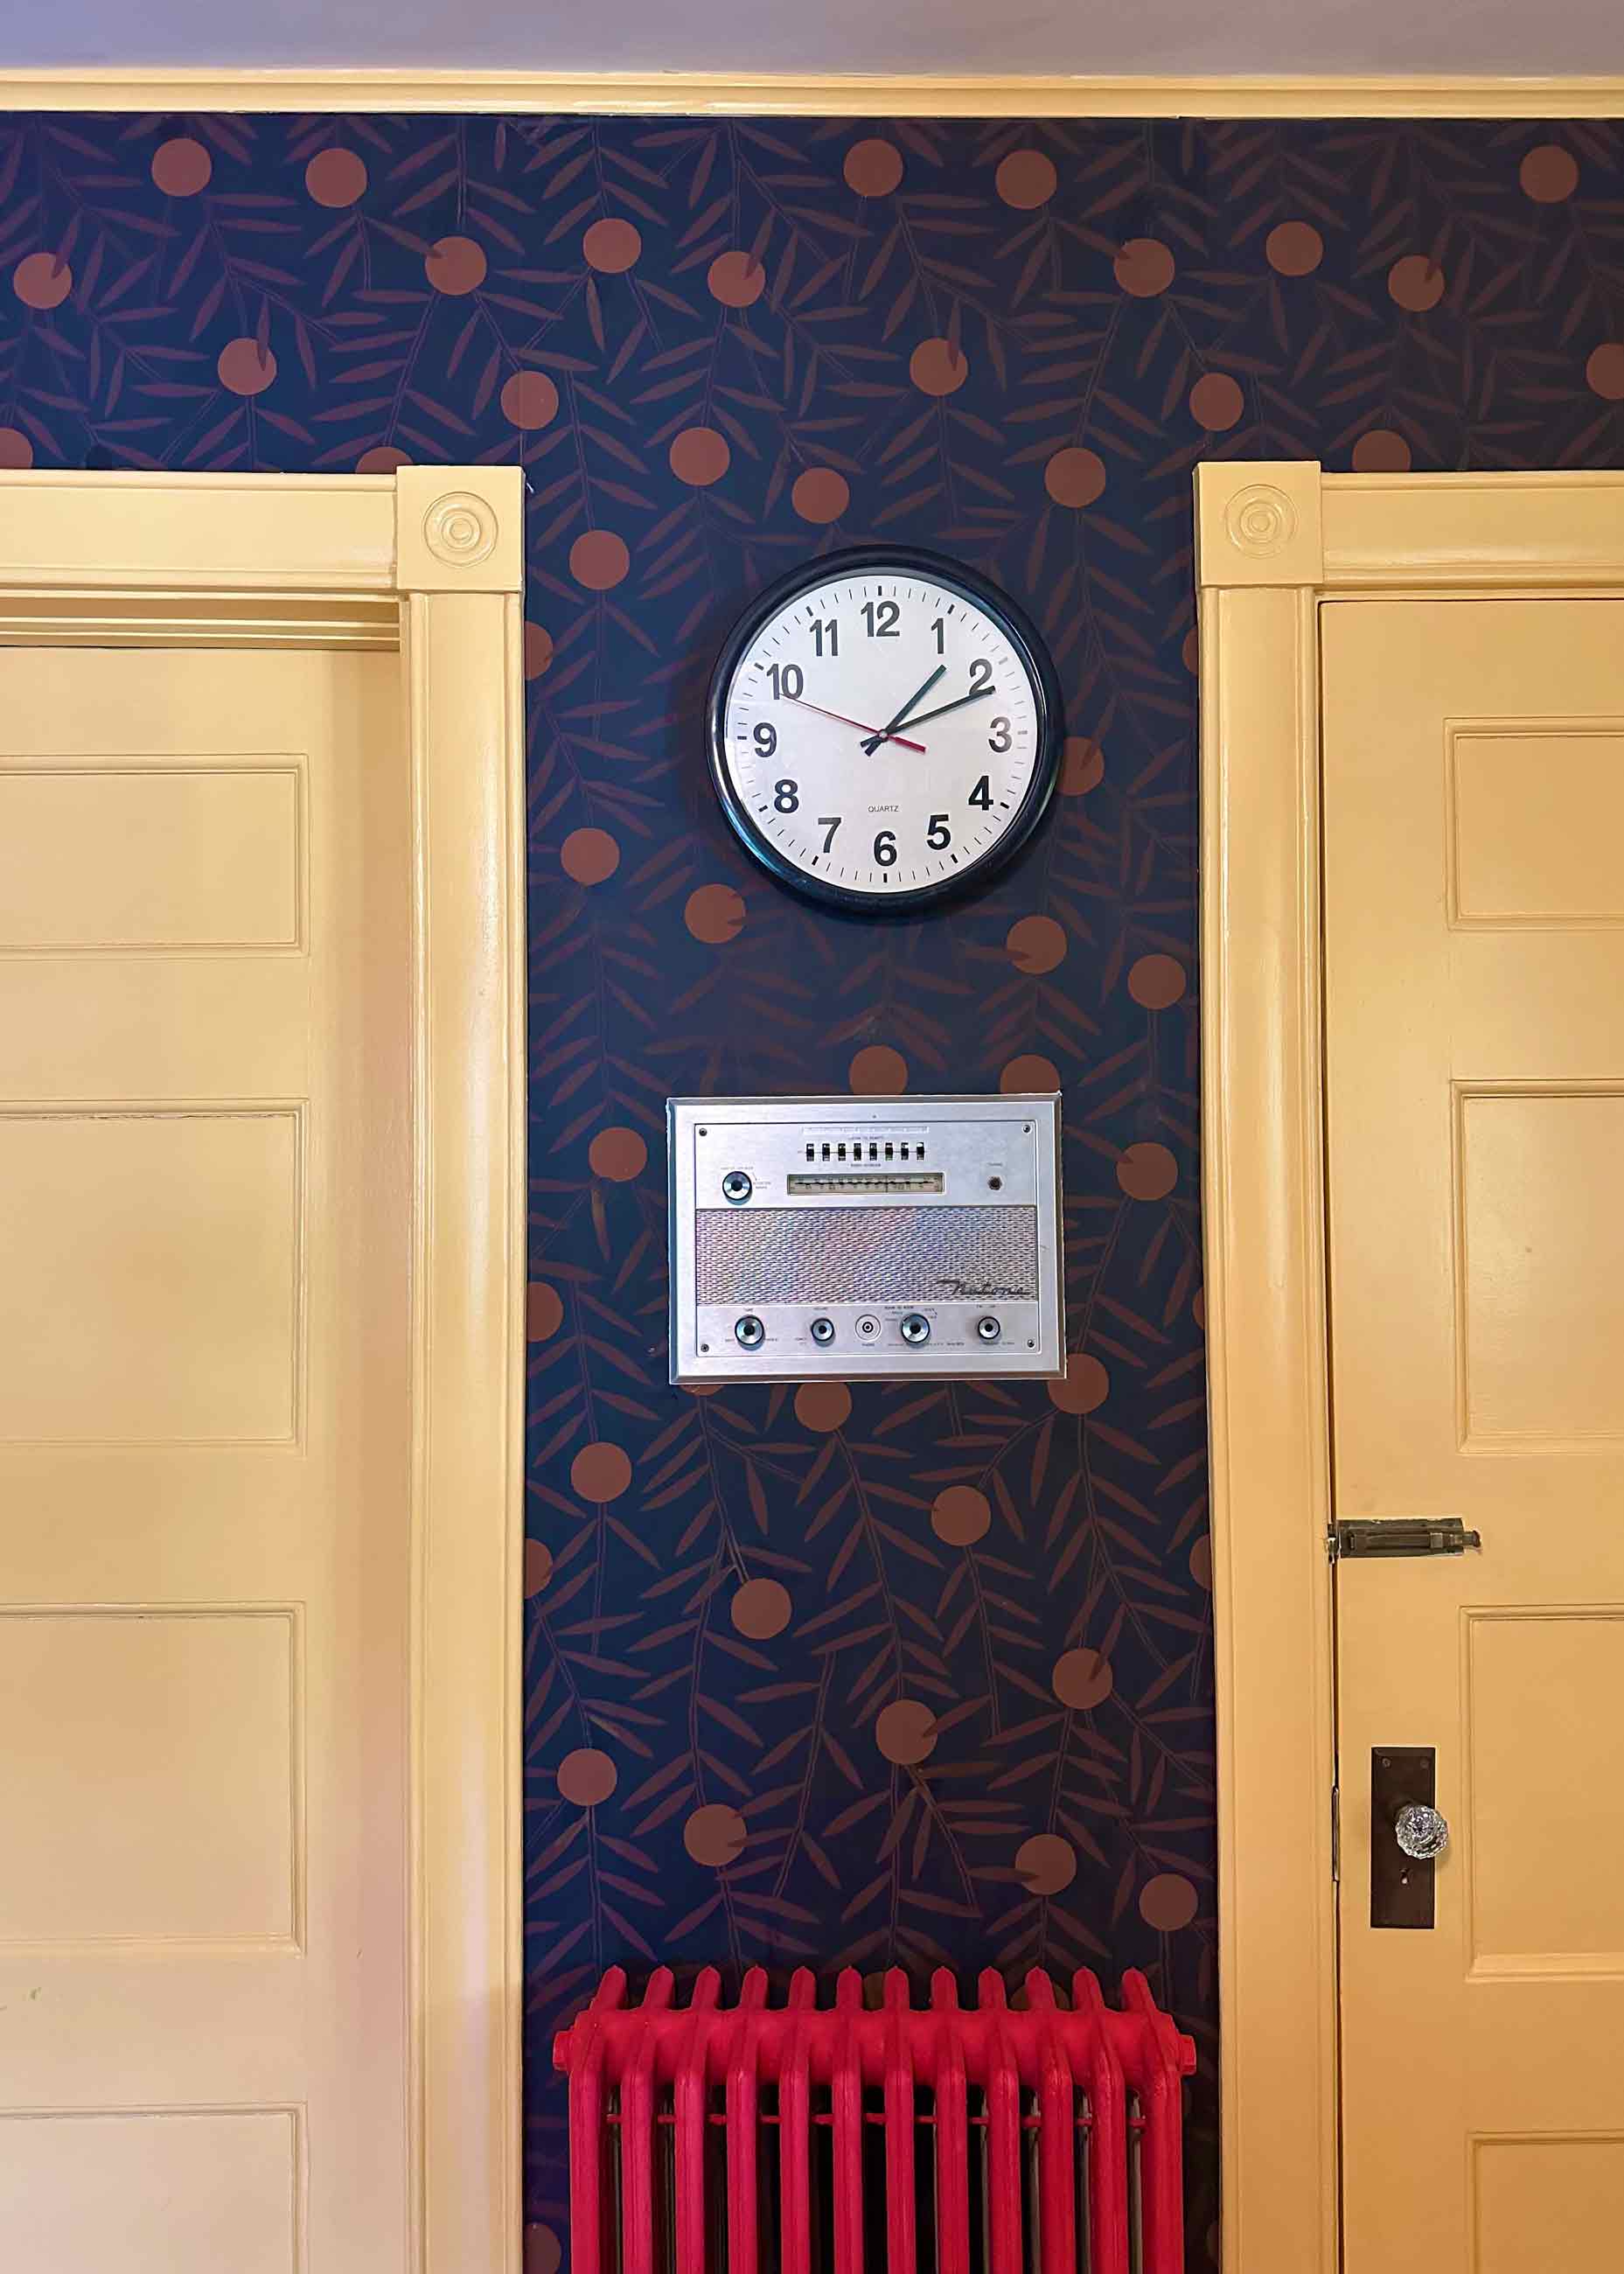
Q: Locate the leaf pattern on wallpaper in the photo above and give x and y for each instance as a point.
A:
(918, 1674)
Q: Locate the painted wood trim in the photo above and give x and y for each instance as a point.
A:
(273, 534)
(1263, 1150)
(312, 559)
(466, 709)
(817, 95)
(1426, 532)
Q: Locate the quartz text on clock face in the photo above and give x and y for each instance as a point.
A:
(882, 733)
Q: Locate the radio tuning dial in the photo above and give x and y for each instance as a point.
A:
(748, 1332)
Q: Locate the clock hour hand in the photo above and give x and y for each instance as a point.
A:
(862, 726)
(975, 696)
(913, 703)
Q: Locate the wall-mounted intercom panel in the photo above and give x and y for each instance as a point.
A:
(866, 1238)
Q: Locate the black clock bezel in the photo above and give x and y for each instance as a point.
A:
(969, 585)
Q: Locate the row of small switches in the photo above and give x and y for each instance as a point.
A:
(854, 1150)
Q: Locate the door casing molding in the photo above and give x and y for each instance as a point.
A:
(428, 562)
(1274, 543)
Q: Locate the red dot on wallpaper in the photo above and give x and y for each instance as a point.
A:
(1029, 1072)
(1416, 283)
(759, 1609)
(736, 279)
(181, 167)
(1549, 174)
(382, 458)
(15, 450)
(1082, 1679)
(337, 177)
(454, 266)
(1086, 1385)
(820, 494)
(1201, 1561)
(1198, 1307)
(1036, 944)
(873, 167)
(538, 1567)
(245, 367)
(530, 400)
(905, 1732)
(1190, 649)
(599, 559)
(960, 1515)
(1603, 373)
(1046, 1864)
(617, 1155)
(600, 1472)
(1025, 180)
(1157, 981)
(822, 1406)
(1381, 451)
(715, 1834)
(1082, 766)
(1294, 248)
(40, 279)
(715, 913)
(1168, 1901)
(544, 2253)
(543, 1311)
(537, 649)
(699, 455)
(587, 1776)
(1143, 267)
(1147, 1171)
(937, 367)
(589, 855)
(1074, 477)
(612, 247)
(1216, 402)
(877, 1071)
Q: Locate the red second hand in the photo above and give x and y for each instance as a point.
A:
(901, 739)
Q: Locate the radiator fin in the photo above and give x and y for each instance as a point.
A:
(1042, 2137)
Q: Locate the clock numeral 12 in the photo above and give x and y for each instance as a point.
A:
(882, 619)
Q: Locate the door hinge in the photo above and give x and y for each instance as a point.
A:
(1403, 1535)
(1337, 1835)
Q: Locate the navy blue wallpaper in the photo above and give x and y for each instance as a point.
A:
(918, 1675)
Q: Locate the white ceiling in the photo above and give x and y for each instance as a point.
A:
(824, 37)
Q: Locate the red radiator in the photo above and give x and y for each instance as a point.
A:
(1039, 2140)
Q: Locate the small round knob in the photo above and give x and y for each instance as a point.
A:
(749, 1332)
(736, 1187)
(1421, 1832)
(823, 1331)
(916, 1327)
(987, 1330)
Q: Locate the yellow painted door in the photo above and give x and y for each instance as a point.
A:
(204, 1438)
(1474, 861)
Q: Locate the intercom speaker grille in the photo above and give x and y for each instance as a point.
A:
(765, 1255)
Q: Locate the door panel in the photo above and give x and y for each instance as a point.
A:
(1474, 788)
(205, 1428)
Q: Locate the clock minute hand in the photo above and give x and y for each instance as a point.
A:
(913, 703)
(976, 695)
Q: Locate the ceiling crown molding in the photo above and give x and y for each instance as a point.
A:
(792, 95)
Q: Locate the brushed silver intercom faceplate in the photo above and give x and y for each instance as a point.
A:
(865, 1238)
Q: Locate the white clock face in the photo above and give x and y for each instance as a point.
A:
(880, 735)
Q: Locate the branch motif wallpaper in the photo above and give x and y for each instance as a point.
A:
(918, 1675)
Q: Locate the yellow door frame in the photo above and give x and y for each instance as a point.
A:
(426, 563)
(1274, 543)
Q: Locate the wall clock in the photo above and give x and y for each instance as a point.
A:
(884, 729)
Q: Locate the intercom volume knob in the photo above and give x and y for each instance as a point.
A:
(916, 1327)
